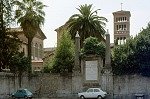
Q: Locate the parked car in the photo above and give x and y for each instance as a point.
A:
(22, 93)
(92, 93)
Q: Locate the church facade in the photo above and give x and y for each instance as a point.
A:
(37, 47)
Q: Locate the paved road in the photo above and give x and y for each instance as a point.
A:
(8, 97)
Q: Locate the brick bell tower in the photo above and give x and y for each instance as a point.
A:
(121, 26)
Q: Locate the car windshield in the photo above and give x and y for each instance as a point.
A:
(96, 90)
(28, 92)
(19, 91)
(89, 90)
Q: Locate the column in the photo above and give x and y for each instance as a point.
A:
(107, 54)
(77, 52)
(107, 76)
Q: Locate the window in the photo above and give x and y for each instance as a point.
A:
(90, 90)
(117, 27)
(125, 19)
(124, 27)
(36, 50)
(96, 90)
(32, 51)
(116, 19)
(121, 27)
(40, 51)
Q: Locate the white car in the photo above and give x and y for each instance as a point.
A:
(92, 93)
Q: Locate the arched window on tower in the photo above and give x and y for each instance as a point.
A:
(117, 27)
(117, 19)
(124, 39)
(125, 18)
(125, 27)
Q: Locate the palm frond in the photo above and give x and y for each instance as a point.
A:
(87, 23)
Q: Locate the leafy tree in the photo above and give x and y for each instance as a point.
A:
(122, 56)
(64, 57)
(133, 57)
(87, 23)
(10, 47)
(142, 52)
(30, 15)
(48, 65)
(93, 46)
(19, 64)
(5, 14)
(9, 43)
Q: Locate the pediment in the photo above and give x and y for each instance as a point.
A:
(40, 35)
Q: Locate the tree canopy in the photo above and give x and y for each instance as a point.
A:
(30, 16)
(9, 43)
(133, 57)
(87, 23)
(93, 46)
(19, 65)
(64, 57)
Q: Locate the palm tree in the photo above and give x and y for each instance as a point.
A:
(87, 23)
(30, 16)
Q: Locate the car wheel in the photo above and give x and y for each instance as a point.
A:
(82, 97)
(99, 97)
(13, 97)
(25, 97)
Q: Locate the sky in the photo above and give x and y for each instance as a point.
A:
(59, 11)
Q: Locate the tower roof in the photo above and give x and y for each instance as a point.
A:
(122, 12)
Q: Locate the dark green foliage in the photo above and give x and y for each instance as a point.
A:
(134, 56)
(93, 47)
(64, 57)
(19, 64)
(47, 69)
(30, 16)
(8, 49)
(6, 13)
(87, 23)
(48, 65)
(143, 51)
(9, 43)
(123, 59)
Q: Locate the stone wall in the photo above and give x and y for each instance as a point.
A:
(42, 85)
(54, 85)
(127, 87)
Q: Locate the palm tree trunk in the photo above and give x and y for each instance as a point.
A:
(29, 55)
(20, 79)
